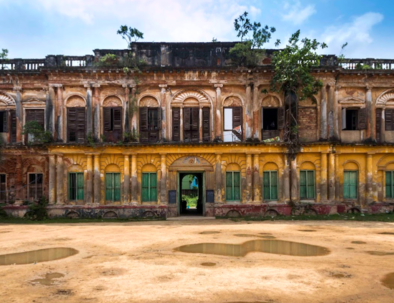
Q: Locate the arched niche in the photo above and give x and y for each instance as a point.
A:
(270, 166)
(112, 168)
(350, 165)
(191, 96)
(191, 163)
(75, 101)
(112, 101)
(149, 168)
(385, 98)
(6, 100)
(191, 102)
(75, 168)
(271, 101)
(148, 101)
(232, 101)
(307, 165)
(233, 167)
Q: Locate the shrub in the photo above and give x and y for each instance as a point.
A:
(38, 211)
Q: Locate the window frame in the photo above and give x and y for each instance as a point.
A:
(232, 123)
(307, 184)
(149, 188)
(36, 188)
(269, 172)
(233, 186)
(113, 187)
(76, 187)
(357, 185)
(3, 192)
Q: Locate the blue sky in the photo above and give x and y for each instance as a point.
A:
(36, 28)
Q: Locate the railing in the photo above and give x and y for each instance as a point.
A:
(367, 64)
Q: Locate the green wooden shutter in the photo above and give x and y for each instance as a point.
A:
(70, 188)
(145, 187)
(80, 186)
(237, 186)
(116, 187)
(229, 188)
(353, 185)
(274, 185)
(108, 187)
(311, 184)
(389, 184)
(350, 184)
(303, 184)
(153, 187)
(266, 185)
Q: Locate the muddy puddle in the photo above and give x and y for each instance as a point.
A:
(388, 280)
(37, 256)
(255, 236)
(210, 264)
(307, 230)
(266, 246)
(386, 233)
(380, 253)
(359, 242)
(212, 232)
(49, 279)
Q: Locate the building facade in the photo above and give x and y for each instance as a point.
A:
(124, 140)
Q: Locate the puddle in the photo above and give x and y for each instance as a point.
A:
(251, 236)
(340, 275)
(349, 247)
(208, 264)
(307, 230)
(36, 256)
(386, 233)
(267, 246)
(48, 280)
(4, 231)
(380, 253)
(265, 234)
(388, 280)
(209, 232)
(359, 242)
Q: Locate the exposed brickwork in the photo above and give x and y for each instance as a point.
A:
(307, 119)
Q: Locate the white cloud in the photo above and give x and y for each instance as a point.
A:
(357, 33)
(296, 13)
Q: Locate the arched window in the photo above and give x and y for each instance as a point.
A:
(270, 181)
(233, 182)
(76, 119)
(272, 118)
(350, 181)
(232, 120)
(307, 181)
(150, 120)
(112, 183)
(112, 119)
(149, 183)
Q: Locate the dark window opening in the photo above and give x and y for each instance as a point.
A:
(35, 186)
(351, 119)
(112, 123)
(270, 119)
(191, 124)
(232, 126)
(150, 122)
(76, 121)
(3, 122)
(3, 191)
(354, 119)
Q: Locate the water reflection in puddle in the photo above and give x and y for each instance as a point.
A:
(256, 236)
(266, 246)
(388, 280)
(380, 253)
(36, 256)
(48, 280)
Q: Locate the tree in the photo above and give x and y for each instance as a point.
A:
(3, 54)
(130, 34)
(253, 36)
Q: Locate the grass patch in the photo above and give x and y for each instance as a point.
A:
(190, 201)
(68, 221)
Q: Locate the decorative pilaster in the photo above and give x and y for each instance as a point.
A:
(323, 114)
(89, 179)
(59, 179)
(181, 123)
(246, 112)
(96, 110)
(217, 123)
(89, 118)
(331, 111)
(371, 125)
(286, 179)
(163, 90)
(18, 113)
(218, 178)
(257, 198)
(200, 124)
(331, 178)
(52, 179)
(323, 177)
(368, 173)
(126, 180)
(97, 181)
(163, 181)
(294, 180)
(249, 190)
(126, 108)
(134, 127)
(256, 109)
(58, 112)
(134, 185)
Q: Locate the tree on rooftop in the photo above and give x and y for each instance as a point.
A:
(253, 36)
(4, 54)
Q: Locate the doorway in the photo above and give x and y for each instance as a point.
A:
(191, 194)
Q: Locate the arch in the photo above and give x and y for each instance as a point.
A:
(75, 101)
(233, 167)
(385, 97)
(149, 168)
(6, 99)
(202, 98)
(75, 168)
(307, 165)
(112, 168)
(211, 158)
(233, 214)
(117, 160)
(148, 159)
(190, 162)
(148, 101)
(238, 159)
(110, 215)
(390, 166)
(271, 101)
(34, 168)
(72, 215)
(271, 213)
(271, 166)
(112, 101)
(76, 160)
(233, 101)
(33, 101)
(351, 100)
(350, 165)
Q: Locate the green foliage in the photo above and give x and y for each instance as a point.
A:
(214, 39)
(292, 67)
(253, 36)
(38, 210)
(130, 34)
(91, 140)
(3, 54)
(39, 135)
(3, 213)
(108, 60)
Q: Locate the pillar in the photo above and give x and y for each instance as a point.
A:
(181, 123)
(256, 109)
(134, 127)
(257, 198)
(59, 179)
(126, 180)
(323, 114)
(163, 90)
(89, 118)
(163, 181)
(218, 179)
(18, 114)
(247, 113)
(369, 178)
(249, 189)
(286, 179)
(331, 179)
(294, 180)
(335, 107)
(96, 111)
(337, 184)
(59, 112)
(97, 189)
(331, 87)
(371, 125)
(49, 109)
(200, 124)
(89, 179)
(323, 177)
(126, 125)
(217, 121)
(52, 179)
(134, 185)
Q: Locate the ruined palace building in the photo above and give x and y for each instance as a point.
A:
(123, 141)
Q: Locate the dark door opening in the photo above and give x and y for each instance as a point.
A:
(191, 194)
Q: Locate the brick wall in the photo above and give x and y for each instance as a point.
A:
(307, 119)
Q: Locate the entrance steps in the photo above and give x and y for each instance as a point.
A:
(190, 218)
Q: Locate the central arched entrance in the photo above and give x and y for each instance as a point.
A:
(191, 194)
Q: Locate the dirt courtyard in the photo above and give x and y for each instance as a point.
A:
(137, 262)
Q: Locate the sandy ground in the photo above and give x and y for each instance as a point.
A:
(136, 262)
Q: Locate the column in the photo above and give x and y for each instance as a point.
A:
(218, 178)
(18, 114)
(248, 178)
(181, 123)
(294, 180)
(126, 180)
(126, 108)
(163, 90)
(323, 177)
(96, 111)
(59, 179)
(134, 185)
(49, 109)
(89, 117)
(331, 180)
(256, 113)
(323, 114)
(371, 125)
(89, 179)
(247, 111)
(163, 181)
(369, 178)
(134, 127)
(200, 123)
(337, 187)
(52, 179)
(59, 112)
(286, 179)
(256, 179)
(335, 107)
(217, 123)
(331, 87)
(97, 189)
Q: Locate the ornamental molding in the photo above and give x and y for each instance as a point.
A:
(200, 97)
(348, 100)
(387, 96)
(6, 99)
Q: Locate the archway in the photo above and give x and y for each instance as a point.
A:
(191, 193)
